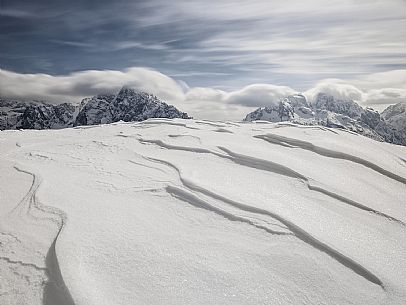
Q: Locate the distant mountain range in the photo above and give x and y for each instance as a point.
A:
(127, 105)
(132, 105)
(325, 110)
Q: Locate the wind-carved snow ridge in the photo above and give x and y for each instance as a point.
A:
(33, 214)
(276, 168)
(297, 231)
(196, 201)
(296, 143)
(286, 171)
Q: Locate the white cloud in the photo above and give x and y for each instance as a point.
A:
(335, 87)
(385, 96)
(74, 86)
(388, 79)
(259, 94)
(200, 102)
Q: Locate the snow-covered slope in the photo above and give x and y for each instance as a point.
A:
(325, 110)
(198, 212)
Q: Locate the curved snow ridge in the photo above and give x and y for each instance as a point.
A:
(199, 203)
(280, 125)
(166, 122)
(352, 203)
(225, 130)
(199, 150)
(286, 171)
(296, 230)
(210, 124)
(262, 164)
(273, 167)
(185, 136)
(55, 289)
(296, 143)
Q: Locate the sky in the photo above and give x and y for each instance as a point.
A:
(216, 59)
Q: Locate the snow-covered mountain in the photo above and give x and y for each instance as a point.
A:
(198, 212)
(127, 105)
(328, 111)
(35, 115)
(395, 116)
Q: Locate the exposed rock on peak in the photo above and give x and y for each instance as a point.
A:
(128, 105)
(35, 115)
(336, 113)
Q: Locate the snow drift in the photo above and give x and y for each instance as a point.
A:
(197, 212)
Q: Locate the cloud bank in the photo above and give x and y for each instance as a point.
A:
(200, 102)
(295, 42)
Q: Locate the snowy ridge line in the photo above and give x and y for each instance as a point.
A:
(296, 230)
(210, 124)
(185, 135)
(352, 203)
(281, 125)
(184, 148)
(273, 167)
(286, 171)
(146, 166)
(51, 262)
(295, 143)
(233, 123)
(223, 130)
(262, 164)
(159, 122)
(199, 203)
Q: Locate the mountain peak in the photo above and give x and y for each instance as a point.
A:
(329, 111)
(128, 105)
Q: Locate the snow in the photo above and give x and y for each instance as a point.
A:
(198, 212)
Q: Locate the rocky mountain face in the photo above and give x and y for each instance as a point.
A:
(128, 105)
(395, 116)
(35, 115)
(325, 110)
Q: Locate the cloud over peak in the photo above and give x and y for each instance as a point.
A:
(200, 102)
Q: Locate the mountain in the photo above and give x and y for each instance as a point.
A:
(328, 111)
(35, 115)
(127, 105)
(395, 116)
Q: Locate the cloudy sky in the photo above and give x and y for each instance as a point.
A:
(215, 59)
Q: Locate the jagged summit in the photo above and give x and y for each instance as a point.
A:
(128, 105)
(346, 114)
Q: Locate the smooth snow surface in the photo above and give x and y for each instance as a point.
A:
(198, 212)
